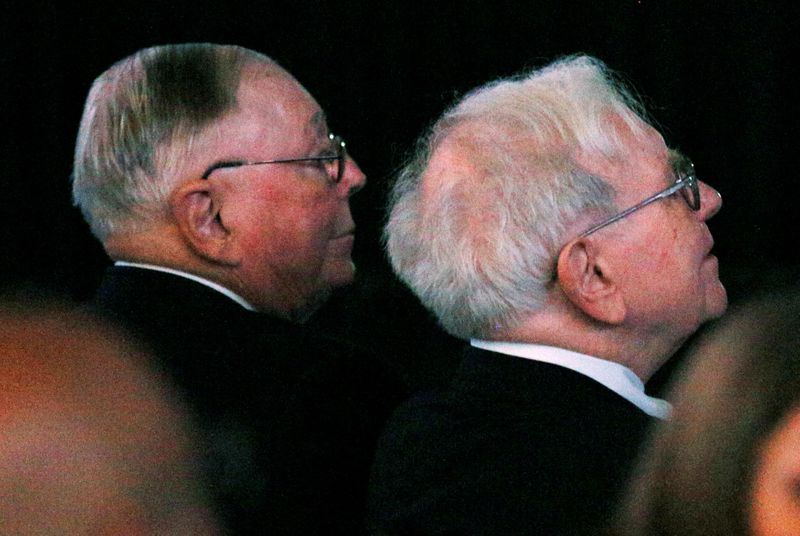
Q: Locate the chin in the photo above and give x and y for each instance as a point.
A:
(717, 301)
(340, 275)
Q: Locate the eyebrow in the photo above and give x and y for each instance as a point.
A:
(319, 124)
(675, 155)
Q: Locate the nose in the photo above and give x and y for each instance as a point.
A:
(353, 179)
(710, 201)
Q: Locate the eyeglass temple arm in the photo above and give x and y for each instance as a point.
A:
(669, 191)
(237, 163)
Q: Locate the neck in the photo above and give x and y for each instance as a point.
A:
(161, 247)
(640, 352)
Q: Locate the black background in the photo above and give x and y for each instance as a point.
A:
(717, 76)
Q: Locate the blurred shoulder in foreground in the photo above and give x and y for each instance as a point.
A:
(728, 463)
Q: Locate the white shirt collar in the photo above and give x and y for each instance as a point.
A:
(616, 377)
(219, 288)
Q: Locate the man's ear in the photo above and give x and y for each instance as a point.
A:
(585, 280)
(197, 212)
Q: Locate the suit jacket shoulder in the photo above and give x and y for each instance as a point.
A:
(512, 446)
(288, 419)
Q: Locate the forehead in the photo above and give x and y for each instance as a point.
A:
(268, 84)
(641, 165)
(271, 107)
(277, 93)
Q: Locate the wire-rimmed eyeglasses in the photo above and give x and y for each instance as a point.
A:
(685, 182)
(334, 160)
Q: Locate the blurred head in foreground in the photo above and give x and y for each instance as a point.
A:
(92, 441)
(729, 461)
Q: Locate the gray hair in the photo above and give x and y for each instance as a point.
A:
(479, 247)
(139, 123)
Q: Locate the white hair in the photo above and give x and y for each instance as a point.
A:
(479, 243)
(138, 126)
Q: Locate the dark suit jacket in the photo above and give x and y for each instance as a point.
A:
(288, 420)
(512, 446)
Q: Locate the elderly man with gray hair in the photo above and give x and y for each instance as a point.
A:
(212, 180)
(546, 221)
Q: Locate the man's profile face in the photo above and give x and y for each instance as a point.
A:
(291, 221)
(669, 278)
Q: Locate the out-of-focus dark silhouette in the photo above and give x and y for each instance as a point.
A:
(728, 462)
(93, 440)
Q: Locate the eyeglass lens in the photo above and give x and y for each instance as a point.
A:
(684, 172)
(338, 164)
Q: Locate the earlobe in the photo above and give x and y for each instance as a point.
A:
(587, 283)
(199, 220)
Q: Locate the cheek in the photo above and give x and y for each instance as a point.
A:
(297, 219)
(653, 262)
(299, 234)
(675, 257)
(659, 276)
(669, 247)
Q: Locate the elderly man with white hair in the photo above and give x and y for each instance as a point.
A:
(212, 180)
(545, 221)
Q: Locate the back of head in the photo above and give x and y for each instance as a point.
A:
(696, 474)
(92, 441)
(139, 124)
(480, 212)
